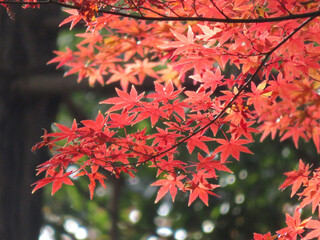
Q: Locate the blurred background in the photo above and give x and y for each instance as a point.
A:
(34, 95)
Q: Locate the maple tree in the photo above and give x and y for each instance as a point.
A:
(273, 49)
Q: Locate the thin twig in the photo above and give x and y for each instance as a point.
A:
(136, 7)
(220, 11)
(284, 7)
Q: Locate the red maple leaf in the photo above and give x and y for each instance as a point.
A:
(165, 93)
(65, 132)
(170, 165)
(57, 179)
(198, 141)
(267, 236)
(296, 178)
(121, 120)
(212, 79)
(123, 75)
(231, 147)
(93, 177)
(74, 18)
(125, 100)
(211, 165)
(184, 43)
(199, 187)
(165, 139)
(259, 96)
(316, 137)
(95, 125)
(62, 57)
(294, 226)
(170, 183)
(315, 233)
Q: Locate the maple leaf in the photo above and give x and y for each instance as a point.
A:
(238, 113)
(57, 179)
(63, 57)
(125, 100)
(198, 141)
(258, 96)
(151, 110)
(201, 191)
(267, 236)
(172, 165)
(311, 193)
(295, 226)
(268, 127)
(231, 147)
(283, 86)
(123, 75)
(42, 182)
(164, 93)
(211, 165)
(185, 43)
(212, 80)
(200, 99)
(295, 132)
(171, 183)
(170, 74)
(121, 120)
(243, 129)
(164, 138)
(316, 138)
(296, 178)
(198, 63)
(208, 33)
(74, 18)
(65, 132)
(177, 107)
(47, 141)
(93, 176)
(199, 187)
(315, 233)
(143, 68)
(96, 125)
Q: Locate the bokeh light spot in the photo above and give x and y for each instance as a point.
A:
(224, 208)
(207, 226)
(180, 234)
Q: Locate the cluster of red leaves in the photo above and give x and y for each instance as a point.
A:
(310, 195)
(128, 50)
(107, 144)
(131, 50)
(273, 88)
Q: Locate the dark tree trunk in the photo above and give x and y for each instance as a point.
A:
(26, 44)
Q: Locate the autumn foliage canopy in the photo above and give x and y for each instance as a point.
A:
(254, 66)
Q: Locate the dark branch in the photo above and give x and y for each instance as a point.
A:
(167, 18)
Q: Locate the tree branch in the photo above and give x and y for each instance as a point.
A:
(168, 18)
